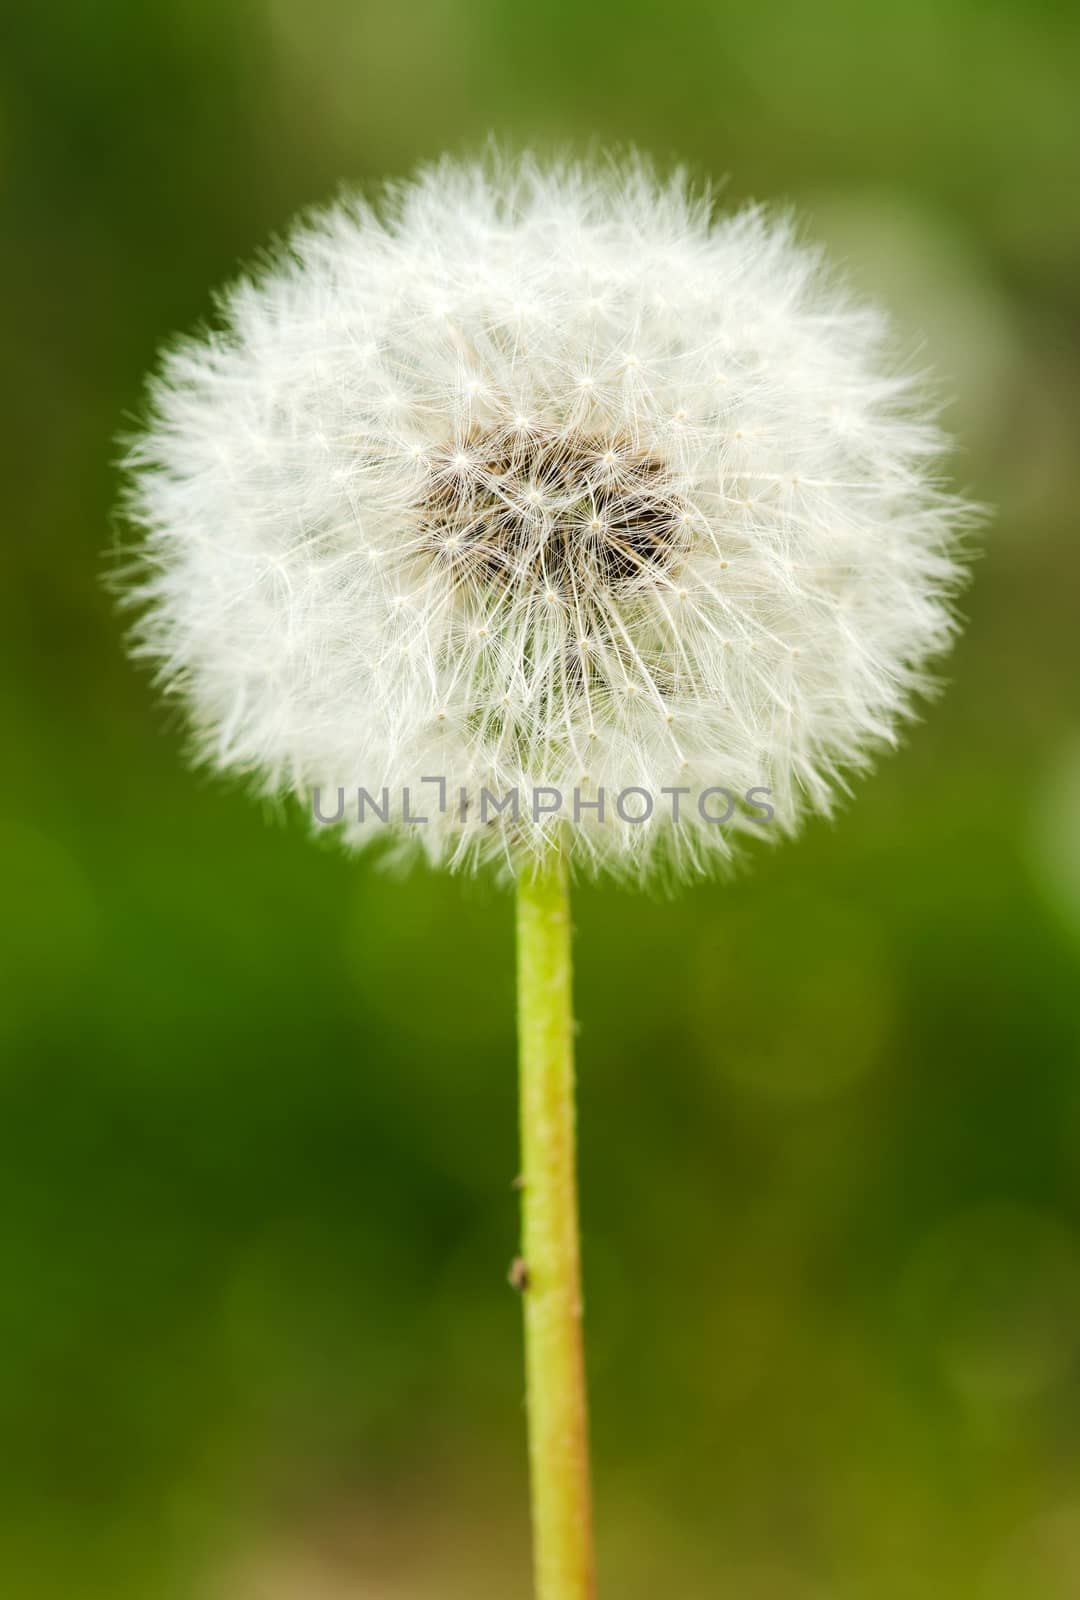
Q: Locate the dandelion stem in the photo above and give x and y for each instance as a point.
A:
(550, 1275)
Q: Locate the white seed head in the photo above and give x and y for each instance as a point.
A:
(537, 472)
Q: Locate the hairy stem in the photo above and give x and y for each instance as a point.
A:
(549, 1273)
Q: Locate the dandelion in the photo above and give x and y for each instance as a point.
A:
(545, 479)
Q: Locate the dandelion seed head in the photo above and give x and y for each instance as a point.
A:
(535, 470)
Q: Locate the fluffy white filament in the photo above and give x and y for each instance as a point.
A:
(543, 478)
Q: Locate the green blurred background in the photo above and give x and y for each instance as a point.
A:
(257, 1108)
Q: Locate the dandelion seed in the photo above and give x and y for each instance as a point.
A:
(322, 529)
(417, 508)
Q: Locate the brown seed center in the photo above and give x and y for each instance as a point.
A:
(558, 514)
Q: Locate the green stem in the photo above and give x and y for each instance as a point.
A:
(550, 1270)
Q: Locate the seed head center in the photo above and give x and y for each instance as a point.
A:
(555, 514)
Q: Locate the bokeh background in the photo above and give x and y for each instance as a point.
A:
(257, 1107)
